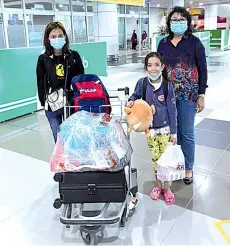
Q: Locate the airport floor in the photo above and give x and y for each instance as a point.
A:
(27, 189)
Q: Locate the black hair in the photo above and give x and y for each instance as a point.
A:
(160, 57)
(46, 42)
(184, 13)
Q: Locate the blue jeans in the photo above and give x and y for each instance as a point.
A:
(55, 120)
(186, 135)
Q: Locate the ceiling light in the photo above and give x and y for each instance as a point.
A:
(200, 4)
(60, 6)
(158, 5)
(191, 2)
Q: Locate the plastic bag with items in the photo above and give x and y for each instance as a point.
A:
(90, 142)
(171, 165)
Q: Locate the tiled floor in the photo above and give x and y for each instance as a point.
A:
(27, 189)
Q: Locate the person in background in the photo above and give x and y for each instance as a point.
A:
(144, 39)
(185, 61)
(55, 70)
(134, 40)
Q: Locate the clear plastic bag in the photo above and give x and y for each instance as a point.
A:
(90, 142)
(171, 165)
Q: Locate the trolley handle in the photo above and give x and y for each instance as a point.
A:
(114, 97)
(126, 90)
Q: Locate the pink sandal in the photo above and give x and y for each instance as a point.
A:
(169, 198)
(156, 193)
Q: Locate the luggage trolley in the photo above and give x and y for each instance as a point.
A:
(93, 222)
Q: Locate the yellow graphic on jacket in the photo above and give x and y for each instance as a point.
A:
(60, 70)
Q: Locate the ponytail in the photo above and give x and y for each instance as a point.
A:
(165, 73)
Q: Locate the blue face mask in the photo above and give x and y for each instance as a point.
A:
(179, 28)
(57, 43)
(154, 78)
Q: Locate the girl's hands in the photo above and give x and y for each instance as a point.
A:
(173, 139)
(130, 104)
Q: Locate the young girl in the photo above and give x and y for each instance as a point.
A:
(164, 125)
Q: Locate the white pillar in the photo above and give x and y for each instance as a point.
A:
(156, 18)
(173, 3)
(106, 25)
(210, 19)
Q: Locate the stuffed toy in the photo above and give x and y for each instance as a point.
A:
(140, 116)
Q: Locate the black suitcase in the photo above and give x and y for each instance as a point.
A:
(91, 187)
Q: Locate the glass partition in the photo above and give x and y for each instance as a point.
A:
(79, 29)
(62, 5)
(12, 4)
(39, 5)
(2, 41)
(36, 27)
(121, 33)
(15, 29)
(66, 21)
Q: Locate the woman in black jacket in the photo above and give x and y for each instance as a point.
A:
(55, 70)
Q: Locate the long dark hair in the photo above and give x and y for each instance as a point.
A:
(46, 42)
(184, 13)
(160, 57)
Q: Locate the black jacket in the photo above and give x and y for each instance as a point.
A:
(46, 67)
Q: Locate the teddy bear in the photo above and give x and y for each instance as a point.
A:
(140, 116)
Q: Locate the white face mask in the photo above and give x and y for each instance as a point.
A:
(154, 78)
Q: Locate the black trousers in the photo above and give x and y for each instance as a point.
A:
(134, 45)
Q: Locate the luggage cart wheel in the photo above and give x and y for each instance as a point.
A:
(89, 239)
(89, 234)
(57, 203)
(69, 213)
(123, 218)
(57, 177)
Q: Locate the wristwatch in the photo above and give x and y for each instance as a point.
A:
(202, 95)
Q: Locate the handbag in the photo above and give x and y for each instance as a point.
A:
(56, 100)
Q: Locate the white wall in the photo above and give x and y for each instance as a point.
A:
(106, 25)
(223, 10)
(156, 18)
(210, 18)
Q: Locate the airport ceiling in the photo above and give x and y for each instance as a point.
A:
(188, 3)
(153, 3)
